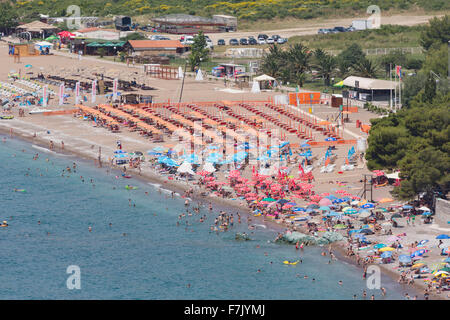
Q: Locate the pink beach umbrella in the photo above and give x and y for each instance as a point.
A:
(325, 202)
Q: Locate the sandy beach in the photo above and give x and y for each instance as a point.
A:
(83, 139)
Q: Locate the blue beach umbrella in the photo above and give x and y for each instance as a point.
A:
(299, 209)
(324, 208)
(404, 258)
(334, 214)
(330, 139)
(120, 155)
(386, 254)
(422, 243)
(418, 253)
(170, 162)
(442, 236)
(213, 158)
(407, 207)
(191, 158)
(367, 206)
(379, 246)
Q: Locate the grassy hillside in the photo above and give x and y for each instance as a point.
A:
(246, 11)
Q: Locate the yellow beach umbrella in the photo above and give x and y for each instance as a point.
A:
(386, 249)
(362, 202)
(418, 265)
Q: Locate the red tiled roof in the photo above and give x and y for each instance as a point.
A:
(141, 44)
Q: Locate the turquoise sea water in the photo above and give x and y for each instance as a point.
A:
(156, 259)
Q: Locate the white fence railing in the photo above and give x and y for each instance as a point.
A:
(381, 51)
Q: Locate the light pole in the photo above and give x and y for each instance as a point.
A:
(182, 83)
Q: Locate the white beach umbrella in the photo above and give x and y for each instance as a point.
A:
(209, 167)
(199, 76)
(255, 87)
(185, 167)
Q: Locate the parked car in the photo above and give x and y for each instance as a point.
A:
(282, 40)
(209, 44)
(324, 31)
(158, 37)
(261, 41)
(220, 42)
(187, 40)
(339, 29)
(252, 41)
(262, 35)
(270, 40)
(234, 42)
(243, 42)
(351, 29)
(275, 37)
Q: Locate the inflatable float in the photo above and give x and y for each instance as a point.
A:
(19, 190)
(130, 187)
(290, 262)
(6, 117)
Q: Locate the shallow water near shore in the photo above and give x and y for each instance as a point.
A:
(155, 259)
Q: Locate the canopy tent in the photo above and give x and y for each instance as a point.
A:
(263, 81)
(394, 175)
(264, 77)
(51, 38)
(66, 34)
(44, 44)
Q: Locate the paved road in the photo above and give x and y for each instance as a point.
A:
(311, 27)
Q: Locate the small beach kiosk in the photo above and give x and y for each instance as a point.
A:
(265, 81)
(230, 70)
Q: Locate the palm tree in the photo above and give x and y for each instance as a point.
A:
(366, 68)
(343, 67)
(274, 62)
(299, 57)
(325, 65)
(270, 65)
